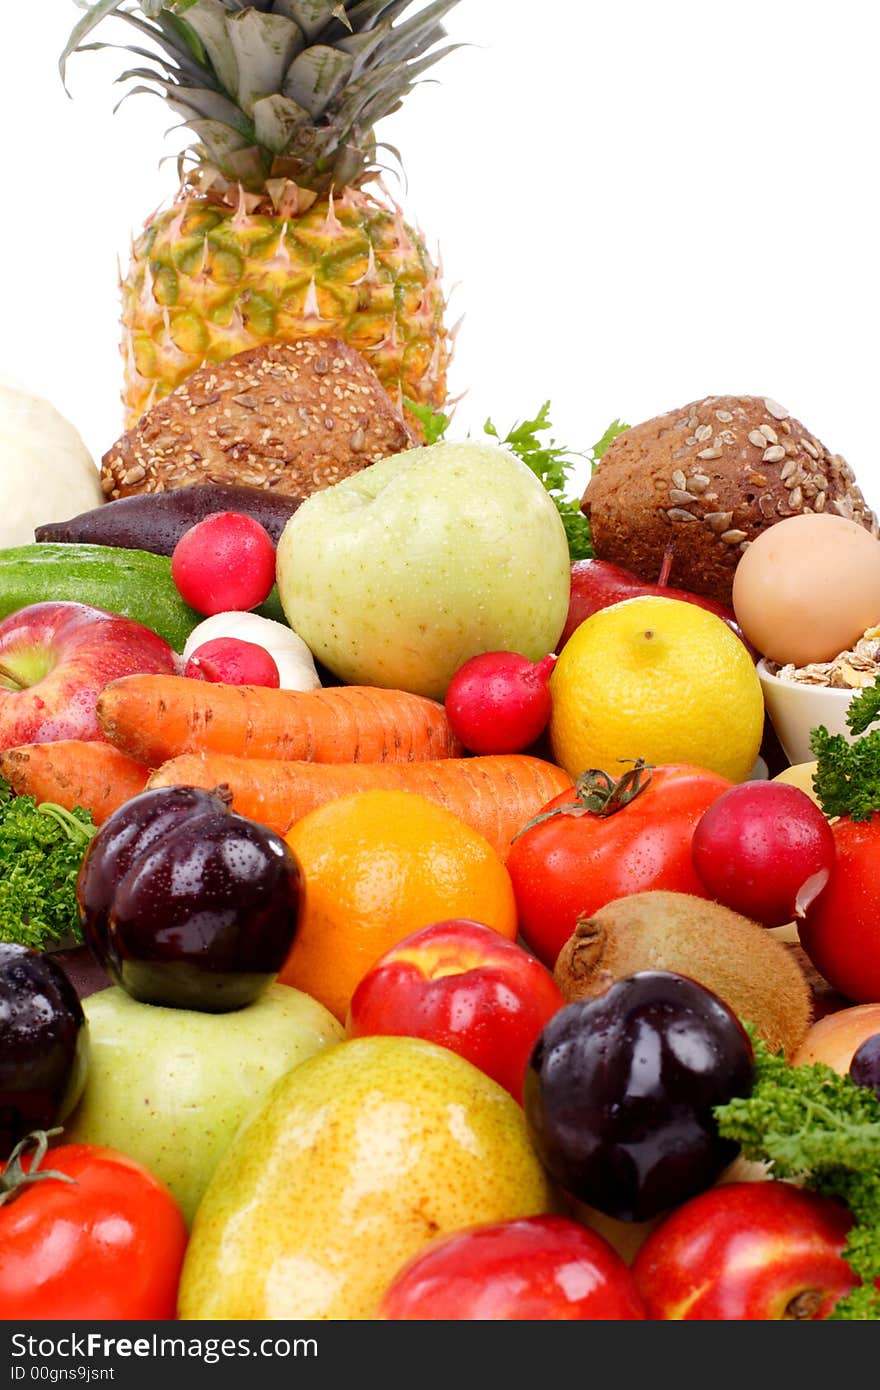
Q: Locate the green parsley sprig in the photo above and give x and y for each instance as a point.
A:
(41, 849)
(847, 778)
(551, 463)
(814, 1125)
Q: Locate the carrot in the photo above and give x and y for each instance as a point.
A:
(154, 718)
(72, 773)
(495, 795)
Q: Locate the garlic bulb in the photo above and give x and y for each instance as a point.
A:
(296, 666)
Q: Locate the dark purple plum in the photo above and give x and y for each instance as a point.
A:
(620, 1090)
(864, 1068)
(187, 904)
(43, 1044)
(125, 836)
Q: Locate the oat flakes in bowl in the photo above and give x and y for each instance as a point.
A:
(850, 670)
(800, 698)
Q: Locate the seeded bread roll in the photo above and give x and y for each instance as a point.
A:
(294, 417)
(707, 479)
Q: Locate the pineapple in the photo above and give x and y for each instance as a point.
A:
(273, 233)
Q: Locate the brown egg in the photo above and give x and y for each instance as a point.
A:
(808, 588)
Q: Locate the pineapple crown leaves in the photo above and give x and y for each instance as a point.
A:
(294, 82)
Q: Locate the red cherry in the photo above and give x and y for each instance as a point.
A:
(224, 563)
(230, 661)
(499, 702)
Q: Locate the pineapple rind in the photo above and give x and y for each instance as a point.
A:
(207, 281)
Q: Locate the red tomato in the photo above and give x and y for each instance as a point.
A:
(572, 864)
(464, 986)
(537, 1269)
(108, 1245)
(841, 930)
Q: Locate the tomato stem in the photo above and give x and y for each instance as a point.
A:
(598, 794)
(14, 1178)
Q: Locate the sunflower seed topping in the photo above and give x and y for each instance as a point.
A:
(758, 439)
(775, 454)
(770, 434)
(773, 408)
(787, 469)
(733, 537)
(713, 453)
(724, 416)
(718, 521)
(810, 448)
(698, 483)
(679, 497)
(679, 480)
(796, 498)
(679, 514)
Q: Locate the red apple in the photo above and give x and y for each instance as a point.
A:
(745, 1252)
(597, 584)
(462, 985)
(538, 1269)
(56, 658)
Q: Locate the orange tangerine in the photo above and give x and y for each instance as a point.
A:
(376, 866)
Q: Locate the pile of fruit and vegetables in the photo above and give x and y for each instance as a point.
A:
(408, 909)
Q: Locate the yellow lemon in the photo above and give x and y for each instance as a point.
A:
(659, 679)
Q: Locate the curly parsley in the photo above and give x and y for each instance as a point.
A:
(41, 849)
(812, 1124)
(847, 778)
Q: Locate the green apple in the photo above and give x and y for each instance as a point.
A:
(399, 574)
(170, 1087)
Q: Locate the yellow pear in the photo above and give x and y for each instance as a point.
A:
(357, 1158)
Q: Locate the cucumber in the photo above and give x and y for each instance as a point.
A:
(135, 583)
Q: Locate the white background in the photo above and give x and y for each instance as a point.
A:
(638, 204)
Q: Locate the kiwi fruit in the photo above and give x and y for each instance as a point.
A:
(757, 976)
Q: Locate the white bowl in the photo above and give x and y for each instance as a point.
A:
(795, 709)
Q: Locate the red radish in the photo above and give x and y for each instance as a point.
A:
(225, 562)
(230, 661)
(764, 849)
(499, 702)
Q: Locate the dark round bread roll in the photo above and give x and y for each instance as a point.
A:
(706, 480)
(293, 417)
